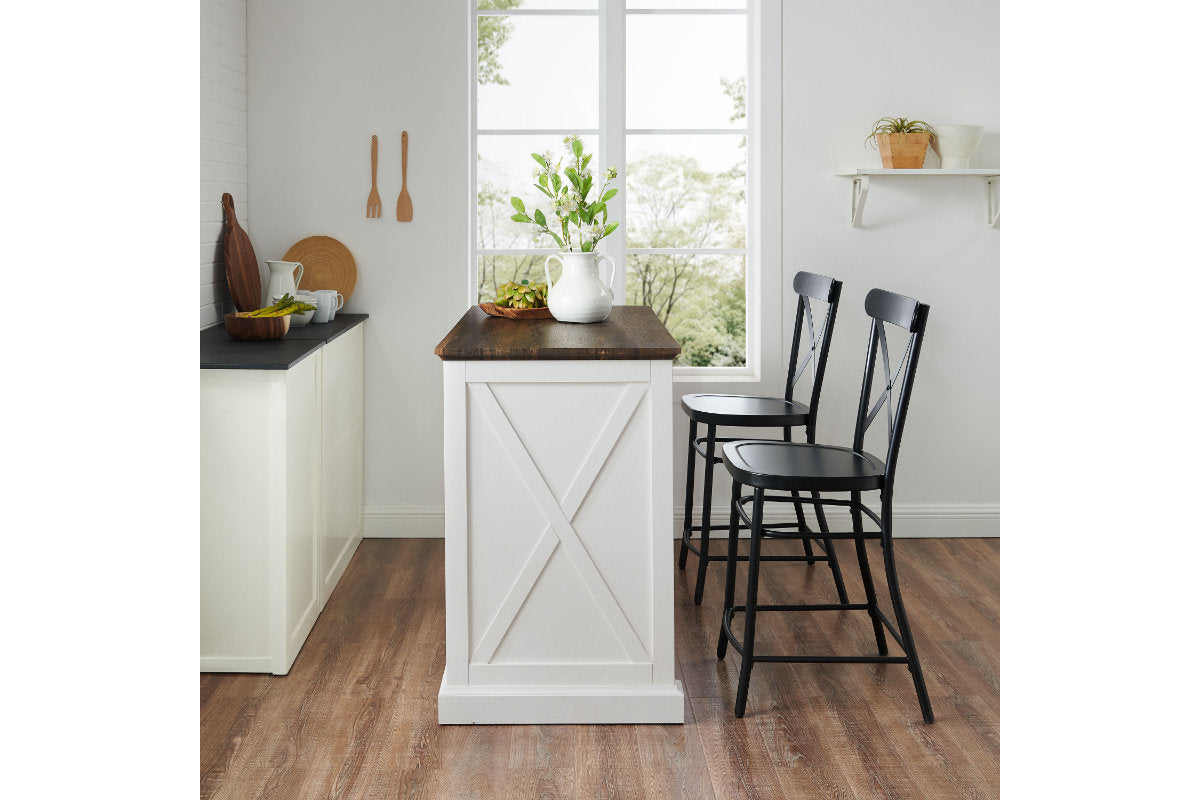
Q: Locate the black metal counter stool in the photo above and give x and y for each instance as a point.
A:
(715, 410)
(782, 466)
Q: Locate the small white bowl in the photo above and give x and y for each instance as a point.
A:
(300, 320)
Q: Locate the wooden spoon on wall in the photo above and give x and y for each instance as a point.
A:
(241, 265)
(404, 204)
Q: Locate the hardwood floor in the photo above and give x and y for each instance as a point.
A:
(357, 715)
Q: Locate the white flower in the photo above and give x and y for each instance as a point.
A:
(610, 173)
(570, 204)
(574, 137)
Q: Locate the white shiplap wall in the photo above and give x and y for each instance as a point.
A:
(222, 142)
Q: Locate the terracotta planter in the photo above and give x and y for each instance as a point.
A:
(902, 150)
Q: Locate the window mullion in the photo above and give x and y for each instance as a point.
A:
(612, 128)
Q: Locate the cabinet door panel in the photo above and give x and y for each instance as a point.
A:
(302, 506)
(342, 385)
(343, 510)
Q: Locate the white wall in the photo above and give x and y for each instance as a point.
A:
(844, 66)
(324, 77)
(222, 142)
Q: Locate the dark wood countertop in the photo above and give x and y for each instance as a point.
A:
(219, 351)
(629, 333)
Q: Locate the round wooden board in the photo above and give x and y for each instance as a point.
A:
(327, 265)
(493, 310)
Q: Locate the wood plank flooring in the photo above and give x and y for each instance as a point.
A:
(357, 715)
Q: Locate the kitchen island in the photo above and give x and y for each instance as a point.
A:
(559, 579)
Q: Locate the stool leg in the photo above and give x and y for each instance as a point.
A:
(710, 455)
(687, 494)
(860, 546)
(801, 522)
(730, 569)
(910, 648)
(834, 565)
(739, 708)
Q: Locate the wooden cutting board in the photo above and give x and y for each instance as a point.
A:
(241, 265)
(327, 265)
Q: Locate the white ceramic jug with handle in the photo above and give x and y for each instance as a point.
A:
(580, 295)
(285, 277)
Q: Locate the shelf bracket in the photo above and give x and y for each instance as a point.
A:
(993, 202)
(858, 198)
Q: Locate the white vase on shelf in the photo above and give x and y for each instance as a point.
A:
(955, 144)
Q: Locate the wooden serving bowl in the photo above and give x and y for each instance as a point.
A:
(257, 329)
(493, 310)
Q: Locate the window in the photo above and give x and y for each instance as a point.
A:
(657, 89)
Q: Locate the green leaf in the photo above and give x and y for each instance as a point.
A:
(573, 177)
(587, 247)
(586, 160)
(577, 148)
(545, 191)
(542, 179)
(556, 181)
(560, 241)
(539, 217)
(518, 204)
(520, 218)
(609, 195)
(612, 226)
(540, 160)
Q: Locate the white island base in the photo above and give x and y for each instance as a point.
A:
(559, 568)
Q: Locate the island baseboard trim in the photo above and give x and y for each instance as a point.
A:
(560, 705)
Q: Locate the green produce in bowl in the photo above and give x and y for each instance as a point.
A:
(521, 295)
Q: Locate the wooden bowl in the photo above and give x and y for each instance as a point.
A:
(493, 310)
(257, 329)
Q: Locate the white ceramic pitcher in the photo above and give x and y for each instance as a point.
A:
(580, 295)
(285, 277)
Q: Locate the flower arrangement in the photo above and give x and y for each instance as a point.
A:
(568, 192)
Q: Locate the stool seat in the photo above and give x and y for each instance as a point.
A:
(802, 467)
(744, 410)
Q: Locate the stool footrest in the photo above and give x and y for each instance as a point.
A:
(806, 607)
(727, 618)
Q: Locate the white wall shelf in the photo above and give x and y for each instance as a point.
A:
(862, 183)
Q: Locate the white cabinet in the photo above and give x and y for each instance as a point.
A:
(281, 479)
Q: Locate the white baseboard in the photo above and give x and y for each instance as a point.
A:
(912, 521)
(404, 522)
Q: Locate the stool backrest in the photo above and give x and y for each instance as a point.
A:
(909, 316)
(811, 287)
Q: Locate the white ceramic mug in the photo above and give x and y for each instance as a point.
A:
(329, 302)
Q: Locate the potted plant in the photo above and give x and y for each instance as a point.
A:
(901, 142)
(581, 222)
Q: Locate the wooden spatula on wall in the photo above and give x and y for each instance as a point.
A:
(404, 204)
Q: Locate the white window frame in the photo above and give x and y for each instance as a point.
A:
(762, 144)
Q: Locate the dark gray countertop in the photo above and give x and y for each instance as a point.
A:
(219, 351)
